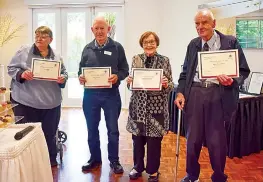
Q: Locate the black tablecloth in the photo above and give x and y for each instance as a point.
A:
(244, 132)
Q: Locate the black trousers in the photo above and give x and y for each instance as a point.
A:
(49, 119)
(153, 153)
(204, 123)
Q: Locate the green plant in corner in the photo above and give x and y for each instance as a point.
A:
(111, 19)
(7, 32)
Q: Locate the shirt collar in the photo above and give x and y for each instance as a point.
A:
(101, 46)
(212, 41)
(37, 52)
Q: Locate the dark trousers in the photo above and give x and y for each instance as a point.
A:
(204, 122)
(49, 119)
(153, 153)
(109, 100)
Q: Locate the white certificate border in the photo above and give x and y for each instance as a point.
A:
(45, 60)
(89, 68)
(150, 89)
(235, 51)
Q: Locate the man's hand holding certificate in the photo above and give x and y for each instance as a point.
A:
(97, 77)
(218, 64)
(43, 69)
(147, 79)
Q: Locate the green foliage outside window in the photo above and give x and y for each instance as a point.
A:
(250, 33)
(111, 19)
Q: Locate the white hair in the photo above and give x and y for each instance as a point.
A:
(206, 12)
(100, 18)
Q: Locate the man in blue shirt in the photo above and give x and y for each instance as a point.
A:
(103, 52)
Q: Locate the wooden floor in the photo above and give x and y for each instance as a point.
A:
(76, 153)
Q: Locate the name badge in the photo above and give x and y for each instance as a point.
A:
(107, 52)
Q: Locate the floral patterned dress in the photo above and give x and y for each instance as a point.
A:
(148, 110)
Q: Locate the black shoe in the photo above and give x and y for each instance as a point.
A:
(54, 163)
(154, 178)
(116, 166)
(134, 175)
(91, 165)
(187, 179)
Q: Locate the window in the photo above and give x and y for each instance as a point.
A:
(250, 33)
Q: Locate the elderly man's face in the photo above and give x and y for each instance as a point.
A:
(204, 25)
(42, 40)
(100, 30)
(149, 45)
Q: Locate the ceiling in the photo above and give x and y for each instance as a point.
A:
(222, 3)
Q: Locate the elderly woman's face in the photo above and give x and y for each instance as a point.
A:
(42, 40)
(149, 45)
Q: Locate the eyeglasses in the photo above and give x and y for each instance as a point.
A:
(41, 37)
(151, 42)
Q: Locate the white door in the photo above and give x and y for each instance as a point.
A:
(75, 34)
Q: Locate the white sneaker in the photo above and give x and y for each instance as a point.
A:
(186, 179)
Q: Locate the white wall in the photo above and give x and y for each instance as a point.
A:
(19, 11)
(177, 30)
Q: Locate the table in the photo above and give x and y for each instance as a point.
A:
(245, 130)
(24, 160)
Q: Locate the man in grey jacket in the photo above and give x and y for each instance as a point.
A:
(38, 100)
(103, 52)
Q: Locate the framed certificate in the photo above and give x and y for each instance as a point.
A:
(214, 63)
(44, 69)
(97, 77)
(146, 79)
(256, 83)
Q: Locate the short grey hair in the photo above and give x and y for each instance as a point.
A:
(206, 12)
(44, 30)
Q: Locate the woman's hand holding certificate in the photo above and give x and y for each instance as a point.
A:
(61, 79)
(27, 75)
(164, 82)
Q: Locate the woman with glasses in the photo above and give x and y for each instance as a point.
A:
(148, 119)
(38, 100)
